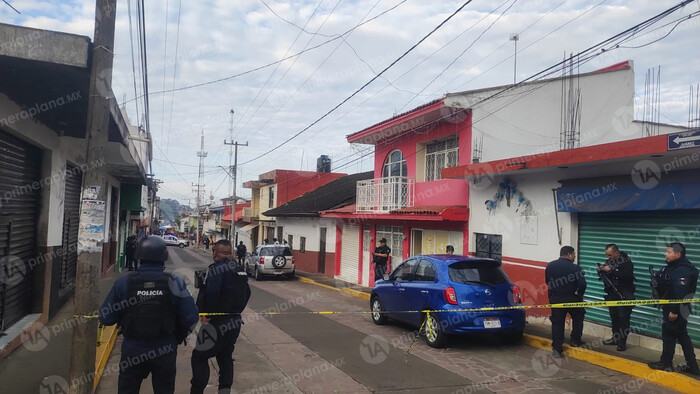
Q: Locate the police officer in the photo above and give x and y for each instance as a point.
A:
(155, 312)
(241, 250)
(619, 269)
(677, 280)
(225, 291)
(566, 283)
(381, 257)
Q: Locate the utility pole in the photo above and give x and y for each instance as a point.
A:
(231, 180)
(93, 204)
(201, 154)
(232, 229)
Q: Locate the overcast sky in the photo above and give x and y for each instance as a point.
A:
(218, 39)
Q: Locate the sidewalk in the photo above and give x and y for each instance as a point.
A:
(46, 358)
(633, 361)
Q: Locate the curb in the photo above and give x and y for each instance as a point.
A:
(104, 351)
(352, 292)
(675, 381)
(671, 380)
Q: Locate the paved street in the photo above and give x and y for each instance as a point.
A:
(347, 353)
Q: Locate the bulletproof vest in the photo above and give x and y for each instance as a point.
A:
(235, 290)
(665, 285)
(151, 313)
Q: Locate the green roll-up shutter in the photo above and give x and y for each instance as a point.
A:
(643, 236)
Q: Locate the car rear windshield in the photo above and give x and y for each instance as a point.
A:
(275, 251)
(477, 272)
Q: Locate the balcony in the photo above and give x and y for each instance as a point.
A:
(385, 194)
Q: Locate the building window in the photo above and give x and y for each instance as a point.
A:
(271, 196)
(439, 155)
(395, 165)
(302, 244)
(394, 240)
(489, 245)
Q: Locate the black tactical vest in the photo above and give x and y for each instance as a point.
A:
(151, 313)
(235, 290)
(665, 285)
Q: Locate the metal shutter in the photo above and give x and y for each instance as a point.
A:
(19, 202)
(643, 236)
(349, 258)
(71, 218)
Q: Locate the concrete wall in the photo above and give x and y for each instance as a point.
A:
(527, 118)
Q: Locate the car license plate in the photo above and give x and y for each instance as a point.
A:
(492, 322)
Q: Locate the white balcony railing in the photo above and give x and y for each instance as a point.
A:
(385, 194)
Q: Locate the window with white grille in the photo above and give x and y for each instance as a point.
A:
(439, 155)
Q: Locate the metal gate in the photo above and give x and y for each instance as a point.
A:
(349, 254)
(643, 236)
(71, 217)
(489, 245)
(19, 202)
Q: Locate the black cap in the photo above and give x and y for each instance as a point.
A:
(152, 248)
(382, 241)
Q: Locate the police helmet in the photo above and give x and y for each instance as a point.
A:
(152, 248)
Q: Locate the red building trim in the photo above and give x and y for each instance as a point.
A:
(610, 151)
(355, 137)
(359, 260)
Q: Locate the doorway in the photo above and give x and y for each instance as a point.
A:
(322, 251)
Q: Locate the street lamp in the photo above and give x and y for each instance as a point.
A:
(515, 37)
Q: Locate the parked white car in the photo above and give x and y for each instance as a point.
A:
(270, 260)
(173, 240)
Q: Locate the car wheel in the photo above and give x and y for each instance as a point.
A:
(378, 316)
(181, 246)
(258, 275)
(279, 261)
(513, 337)
(434, 336)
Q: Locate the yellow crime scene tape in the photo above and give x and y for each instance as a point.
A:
(587, 304)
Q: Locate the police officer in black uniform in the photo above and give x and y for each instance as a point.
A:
(566, 283)
(155, 312)
(618, 268)
(381, 257)
(225, 291)
(677, 280)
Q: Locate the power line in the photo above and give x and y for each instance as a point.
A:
(365, 85)
(133, 61)
(165, 53)
(172, 94)
(275, 62)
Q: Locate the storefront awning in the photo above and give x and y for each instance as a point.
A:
(644, 191)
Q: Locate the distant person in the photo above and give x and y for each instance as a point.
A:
(206, 242)
(566, 283)
(241, 250)
(677, 280)
(450, 249)
(275, 241)
(381, 257)
(159, 314)
(129, 250)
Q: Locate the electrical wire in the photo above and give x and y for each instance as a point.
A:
(363, 86)
(172, 94)
(133, 61)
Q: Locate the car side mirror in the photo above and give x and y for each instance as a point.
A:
(386, 277)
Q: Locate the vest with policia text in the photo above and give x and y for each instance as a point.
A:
(151, 313)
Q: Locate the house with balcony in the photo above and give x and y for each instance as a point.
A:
(407, 201)
(272, 189)
(609, 179)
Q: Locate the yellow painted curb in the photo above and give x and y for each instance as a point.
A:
(357, 293)
(352, 292)
(676, 381)
(104, 351)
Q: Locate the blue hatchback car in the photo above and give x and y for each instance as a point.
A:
(444, 282)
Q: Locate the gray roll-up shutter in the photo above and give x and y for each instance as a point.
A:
(71, 218)
(19, 204)
(643, 236)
